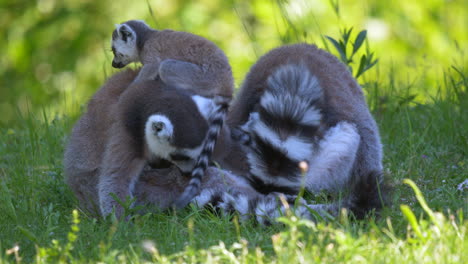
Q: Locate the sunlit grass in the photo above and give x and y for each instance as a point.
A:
(417, 92)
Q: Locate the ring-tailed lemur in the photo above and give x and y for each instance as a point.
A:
(289, 106)
(102, 155)
(183, 60)
(155, 123)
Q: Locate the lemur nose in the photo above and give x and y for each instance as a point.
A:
(158, 126)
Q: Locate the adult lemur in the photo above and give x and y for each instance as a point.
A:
(182, 60)
(111, 143)
(300, 103)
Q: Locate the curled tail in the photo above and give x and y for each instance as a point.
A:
(215, 124)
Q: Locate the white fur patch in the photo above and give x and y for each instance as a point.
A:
(242, 204)
(291, 106)
(295, 147)
(312, 117)
(267, 209)
(291, 91)
(203, 198)
(330, 169)
(205, 105)
(296, 78)
(160, 145)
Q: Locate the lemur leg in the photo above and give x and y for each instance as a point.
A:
(149, 71)
(369, 155)
(158, 189)
(121, 167)
(186, 75)
(330, 169)
(84, 185)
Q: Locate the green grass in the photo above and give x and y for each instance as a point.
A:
(426, 143)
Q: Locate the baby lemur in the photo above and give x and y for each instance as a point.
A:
(182, 60)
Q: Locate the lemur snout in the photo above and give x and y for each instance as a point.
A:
(158, 126)
(117, 65)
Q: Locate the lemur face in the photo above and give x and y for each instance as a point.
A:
(160, 136)
(124, 46)
(272, 157)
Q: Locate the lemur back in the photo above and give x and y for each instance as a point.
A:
(182, 60)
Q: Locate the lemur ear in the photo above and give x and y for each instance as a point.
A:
(125, 32)
(205, 105)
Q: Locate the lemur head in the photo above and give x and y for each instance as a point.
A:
(127, 41)
(171, 123)
(269, 154)
(178, 137)
(285, 124)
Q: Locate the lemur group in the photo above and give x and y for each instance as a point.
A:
(172, 133)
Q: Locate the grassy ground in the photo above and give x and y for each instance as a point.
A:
(426, 143)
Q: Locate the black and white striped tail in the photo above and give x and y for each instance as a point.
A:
(215, 123)
(368, 193)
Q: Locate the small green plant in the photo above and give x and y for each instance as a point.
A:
(367, 60)
(129, 210)
(58, 253)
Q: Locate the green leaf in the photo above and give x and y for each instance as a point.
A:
(421, 200)
(370, 65)
(346, 34)
(338, 47)
(28, 234)
(361, 66)
(6, 202)
(359, 40)
(406, 210)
